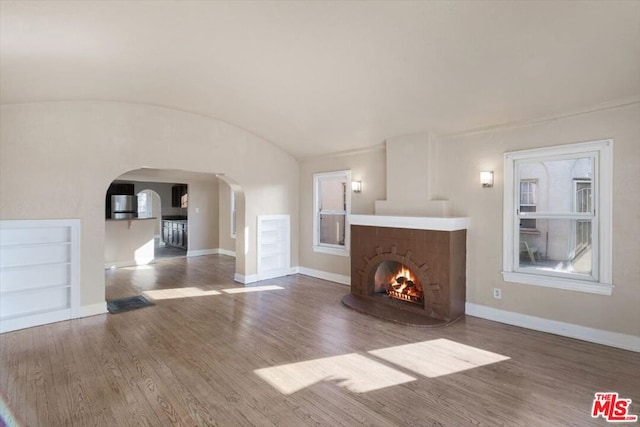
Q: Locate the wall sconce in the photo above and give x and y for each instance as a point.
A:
(486, 179)
(356, 186)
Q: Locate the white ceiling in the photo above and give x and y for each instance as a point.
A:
(319, 77)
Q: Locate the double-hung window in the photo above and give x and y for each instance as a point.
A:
(557, 217)
(331, 205)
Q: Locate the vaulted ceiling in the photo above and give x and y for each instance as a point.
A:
(319, 77)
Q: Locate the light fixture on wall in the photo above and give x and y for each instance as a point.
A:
(356, 186)
(486, 179)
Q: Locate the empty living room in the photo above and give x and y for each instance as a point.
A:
(290, 213)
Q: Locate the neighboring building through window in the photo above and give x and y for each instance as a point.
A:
(331, 206)
(528, 196)
(557, 217)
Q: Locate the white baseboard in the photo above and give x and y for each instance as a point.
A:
(29, 321)
(226, 252)
(200, 252)
(273, 274)
(245, 280)
(93, 309)
(331, 277)
(598, 336)
(214, 251)
(130, 263)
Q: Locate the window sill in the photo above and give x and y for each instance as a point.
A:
(558, 283)
(331, 251)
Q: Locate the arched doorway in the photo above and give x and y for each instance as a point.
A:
(214, 210)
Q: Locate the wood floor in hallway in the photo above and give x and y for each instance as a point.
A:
(290, 354)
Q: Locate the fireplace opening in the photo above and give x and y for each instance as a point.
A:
(397, 281)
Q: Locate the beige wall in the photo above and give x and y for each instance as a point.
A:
(466, 156)
(366, 166)
(57, 160)
(224, 214)
(203, 214)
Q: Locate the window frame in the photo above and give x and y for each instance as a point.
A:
(601, 217)
(325, 247)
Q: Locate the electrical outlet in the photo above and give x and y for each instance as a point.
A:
(497, 293)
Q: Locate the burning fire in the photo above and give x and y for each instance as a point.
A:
(403, 285)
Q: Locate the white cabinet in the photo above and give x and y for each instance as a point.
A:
(274, 246)
(39, 272)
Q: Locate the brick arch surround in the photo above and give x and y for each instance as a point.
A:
(432, 294)
(436, 257)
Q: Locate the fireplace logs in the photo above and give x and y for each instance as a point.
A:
(402, 283)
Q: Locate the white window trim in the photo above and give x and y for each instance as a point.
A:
(325, 248)
(603, 179)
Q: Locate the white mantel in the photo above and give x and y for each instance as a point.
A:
(415, 222)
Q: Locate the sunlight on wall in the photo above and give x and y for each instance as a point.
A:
(252, 289)
(439, 357)
(354, 372)
(360, 374)
(246, 240)
(144, 254)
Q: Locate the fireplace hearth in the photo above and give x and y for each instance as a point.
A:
(408, 270)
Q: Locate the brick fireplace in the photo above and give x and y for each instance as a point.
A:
(429, 255)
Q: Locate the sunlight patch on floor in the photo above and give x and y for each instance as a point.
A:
(354, 372)
(360, 373)
(252, 289)
(438, 357)
(137, 267)
(159, 294)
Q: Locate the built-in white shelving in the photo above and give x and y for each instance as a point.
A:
(39, 272)
(274, 246)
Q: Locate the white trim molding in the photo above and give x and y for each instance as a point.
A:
(13, 324)
(319, 274)
(414, 222)
(200, 252)
(227, 252)
(245, 280)
(598, 336)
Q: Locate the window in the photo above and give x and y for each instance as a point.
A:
(145, 209)
(557, 217)
(331, 203)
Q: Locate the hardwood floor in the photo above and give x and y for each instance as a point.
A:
(234, 359)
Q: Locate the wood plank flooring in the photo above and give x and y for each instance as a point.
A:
(191, 361)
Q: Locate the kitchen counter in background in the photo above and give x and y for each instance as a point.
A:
(128, 241)
(175, 232)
